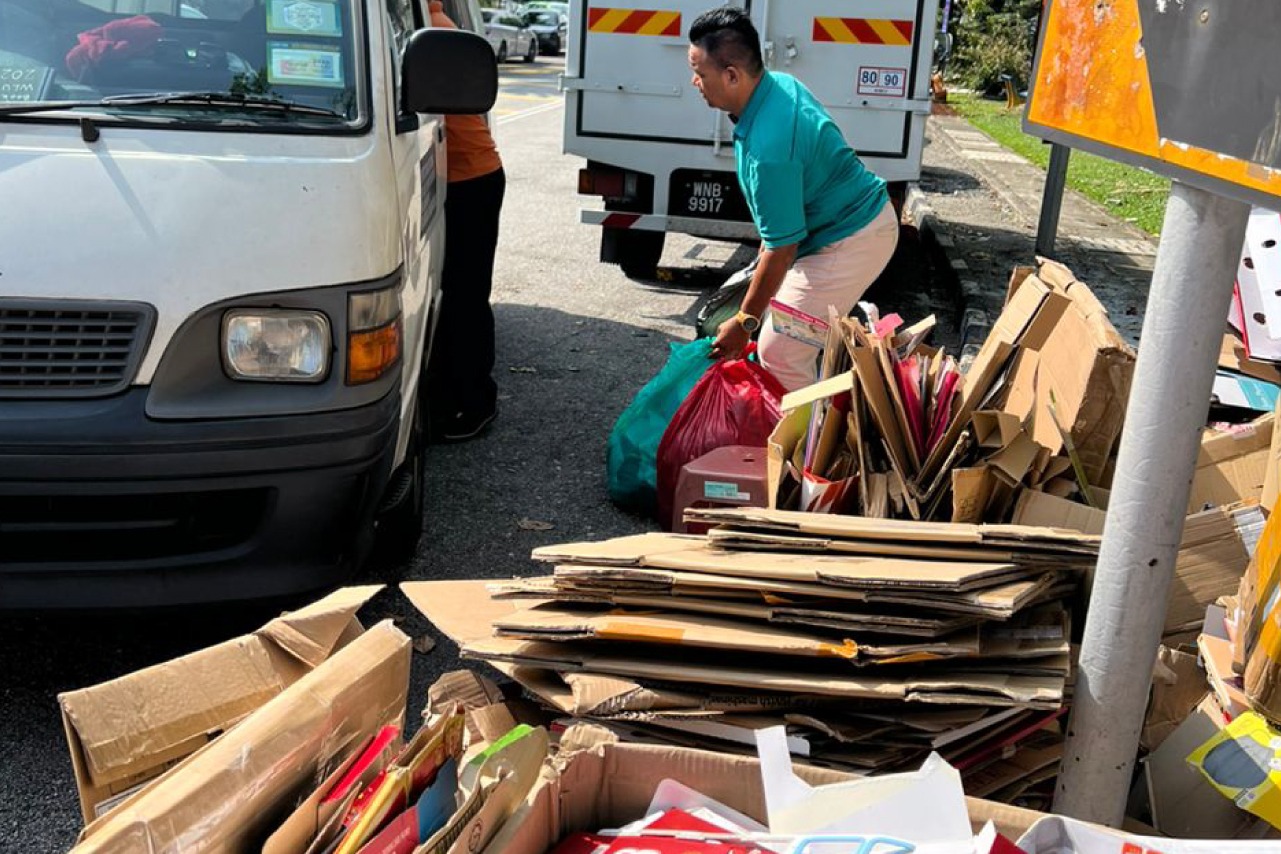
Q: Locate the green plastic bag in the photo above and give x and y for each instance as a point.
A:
(633, 444)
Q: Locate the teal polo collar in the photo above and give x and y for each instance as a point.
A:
(754, 105)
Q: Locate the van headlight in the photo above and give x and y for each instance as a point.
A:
(276, 345)
(374, 334)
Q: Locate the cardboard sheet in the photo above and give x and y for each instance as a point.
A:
(1043, 632)
(449, 605)
(1014, 537)
(580, 584)
(620, 551)
(129, 730)
(952, 686)
(1232, 465)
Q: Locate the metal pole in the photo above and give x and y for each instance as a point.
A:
(1187, 306)
(1047, 230)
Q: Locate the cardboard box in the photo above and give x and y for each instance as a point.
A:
(609, 784)
(126, 732)
(1087, 368)
(232, 794)
(1232, 465)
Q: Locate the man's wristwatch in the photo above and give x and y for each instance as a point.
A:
(749, 322)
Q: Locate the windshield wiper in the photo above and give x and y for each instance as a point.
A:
(211, 99)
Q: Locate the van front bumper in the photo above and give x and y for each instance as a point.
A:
(102, 506)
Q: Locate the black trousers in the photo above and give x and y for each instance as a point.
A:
(460, 373)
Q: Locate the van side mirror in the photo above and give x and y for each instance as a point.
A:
(449, 72)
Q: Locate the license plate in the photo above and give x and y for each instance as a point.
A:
(707, 195)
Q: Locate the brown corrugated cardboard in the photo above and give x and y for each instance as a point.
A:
(462, 610)
(1232, 464)
(620, 551)
(1177, 686)
(737, 539)
(553, 623)
(1232, 356)
(1041, 509)
(470, 626)
(664, 588)
(1037, 690)
(1050, 540)
(1086, 368)
(127, 731)
(868, 572)
(229, 795)
(1272, 477)
(1029, 316)
(780, 449)
(1212, 558)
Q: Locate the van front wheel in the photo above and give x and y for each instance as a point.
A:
(502, 52)
(400, 519)
(532, 53)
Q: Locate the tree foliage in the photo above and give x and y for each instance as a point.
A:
(993, 38)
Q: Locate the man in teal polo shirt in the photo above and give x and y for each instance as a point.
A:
(827, 228)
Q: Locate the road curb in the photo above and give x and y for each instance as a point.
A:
(975, 321)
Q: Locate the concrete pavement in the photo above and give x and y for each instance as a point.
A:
(980, 204)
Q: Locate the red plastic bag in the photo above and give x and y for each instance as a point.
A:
(735, 403)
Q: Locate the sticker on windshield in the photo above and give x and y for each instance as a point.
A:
(304, 18)
(23, 83)
(304, 65)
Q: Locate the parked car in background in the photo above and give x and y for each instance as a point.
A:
(550, 27)
(508, 34)
(562, 8)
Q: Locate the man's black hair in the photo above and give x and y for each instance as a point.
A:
(728, 36)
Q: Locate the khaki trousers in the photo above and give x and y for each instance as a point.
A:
(837, 275)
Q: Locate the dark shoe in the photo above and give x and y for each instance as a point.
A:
(462, 426)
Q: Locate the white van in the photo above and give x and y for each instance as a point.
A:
(221, 230)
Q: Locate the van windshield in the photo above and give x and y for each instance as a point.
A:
(242, 61)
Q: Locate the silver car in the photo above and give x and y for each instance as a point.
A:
(550, 27)
(508, 34)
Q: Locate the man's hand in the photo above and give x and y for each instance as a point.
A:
(731, 340)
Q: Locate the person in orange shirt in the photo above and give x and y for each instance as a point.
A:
(462, 394)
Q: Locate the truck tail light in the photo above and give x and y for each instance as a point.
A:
(610, 183)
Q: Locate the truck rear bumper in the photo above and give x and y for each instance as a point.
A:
(718, 229)
(101, 506)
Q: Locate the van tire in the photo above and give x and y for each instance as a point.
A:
(502, 51)
(636, 251)
(399, 527)
(532, 53)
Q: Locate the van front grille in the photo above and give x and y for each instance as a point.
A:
(64, 348)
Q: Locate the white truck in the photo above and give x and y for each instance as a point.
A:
(662, 161)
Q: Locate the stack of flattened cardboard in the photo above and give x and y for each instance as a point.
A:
(873, 641)
(893, 430)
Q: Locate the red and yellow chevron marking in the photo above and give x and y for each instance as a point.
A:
(634, 22)
(863, 31)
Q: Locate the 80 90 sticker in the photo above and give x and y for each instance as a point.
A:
(882, 81)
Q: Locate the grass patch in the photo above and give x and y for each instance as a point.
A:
(1132, 194)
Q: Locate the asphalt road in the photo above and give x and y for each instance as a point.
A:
(576, 340)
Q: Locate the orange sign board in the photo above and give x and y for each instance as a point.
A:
(1190, 90)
